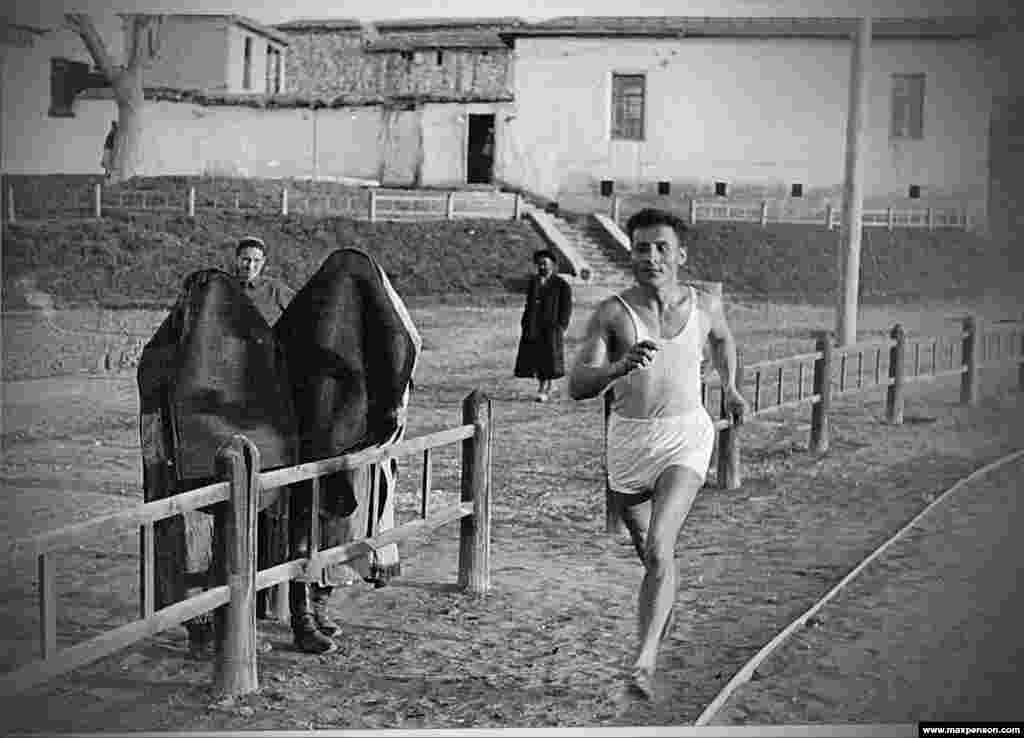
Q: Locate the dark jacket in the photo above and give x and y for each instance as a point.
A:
(546, 316)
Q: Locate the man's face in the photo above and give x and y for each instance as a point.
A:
(656, 255)
(249, 263)
(545, 267)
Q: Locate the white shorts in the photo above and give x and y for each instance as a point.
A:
(640, 449)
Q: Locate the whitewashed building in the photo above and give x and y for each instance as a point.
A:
(756, 106)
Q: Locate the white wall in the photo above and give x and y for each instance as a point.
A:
(445, 140)
(747, 111)
(192, 55)
(235, 50)
(32, 140)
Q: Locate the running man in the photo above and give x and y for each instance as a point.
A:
(646, 346)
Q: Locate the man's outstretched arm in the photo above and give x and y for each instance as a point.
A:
(592, 372)
(723, 353)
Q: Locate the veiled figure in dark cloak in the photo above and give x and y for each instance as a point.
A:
(212, 369)
(546, 315)
(352, 349)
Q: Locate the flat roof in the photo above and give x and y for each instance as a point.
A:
(235, 18)
(758, 27)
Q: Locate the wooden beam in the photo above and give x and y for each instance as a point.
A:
(853, 189)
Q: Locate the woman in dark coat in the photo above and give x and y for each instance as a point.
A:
(545, 319)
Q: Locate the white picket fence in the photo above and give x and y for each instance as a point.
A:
(373, 204)
(764, 212)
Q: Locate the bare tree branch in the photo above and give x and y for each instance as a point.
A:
(144, 39)
(156, 36)
(82, 24)
(136, 28)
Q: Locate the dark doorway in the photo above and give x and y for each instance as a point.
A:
(480, 149)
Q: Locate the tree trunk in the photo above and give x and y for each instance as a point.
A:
(144, 36)
(128, 154)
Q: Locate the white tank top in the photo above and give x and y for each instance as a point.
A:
(670, 385)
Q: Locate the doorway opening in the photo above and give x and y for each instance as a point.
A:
(480, 149)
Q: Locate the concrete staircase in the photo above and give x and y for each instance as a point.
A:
(609, 264)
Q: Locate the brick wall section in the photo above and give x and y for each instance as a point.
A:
(329, 64)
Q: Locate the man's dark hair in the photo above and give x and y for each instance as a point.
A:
(544, 254)
(250, 242)
(650, 217)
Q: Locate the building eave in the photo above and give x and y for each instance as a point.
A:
(938, 27)
(238, 20)
(20, 35)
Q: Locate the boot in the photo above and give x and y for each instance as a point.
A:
(308, 638)
(201, 638)
(319, 597)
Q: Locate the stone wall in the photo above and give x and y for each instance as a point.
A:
(329, 64)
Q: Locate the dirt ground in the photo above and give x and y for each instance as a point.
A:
(871, 657)
(549, 645)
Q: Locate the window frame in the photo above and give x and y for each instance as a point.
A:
(247, 63)
(71, 72)
(906, 100)
(623, 127)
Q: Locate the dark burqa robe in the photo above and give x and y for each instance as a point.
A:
(352, 349)
(212, 369)
(545, 319)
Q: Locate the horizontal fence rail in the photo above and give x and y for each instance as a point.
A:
(373, 204)
(235, 525)
(765, 212)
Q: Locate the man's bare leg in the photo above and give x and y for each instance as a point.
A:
(673, 496)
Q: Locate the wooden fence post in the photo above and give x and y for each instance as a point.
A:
(828, 216)
(373, 205)
(97, 200)
(616, 209)
(235, 552)
(930, 218)
(281, 607)
(191, 202)
(613, 523)
(284, 201)
(894, 392)
(475, 530)
(969, 378)
(238, 204)
(890, 218)
(517, 207)
(729, 476)
(11, 216)
(764, 213)
(1020, 366)
(449, 206)
(693, 211)
(822, 388)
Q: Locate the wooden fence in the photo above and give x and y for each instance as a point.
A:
(816, 378)
(235, 523)
(764, 212)
(373, 204)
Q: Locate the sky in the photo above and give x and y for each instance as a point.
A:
(49, 12)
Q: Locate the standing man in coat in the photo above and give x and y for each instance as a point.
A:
(545, 319)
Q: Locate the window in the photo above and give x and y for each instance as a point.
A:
(797, 190)
(273, 70)
(247, 65)
(908, 106)
(64, 85)
(440, 57)
(67, 79)
(628, 92)
(720, 189)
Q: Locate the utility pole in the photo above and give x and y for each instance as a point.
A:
(853, 187)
